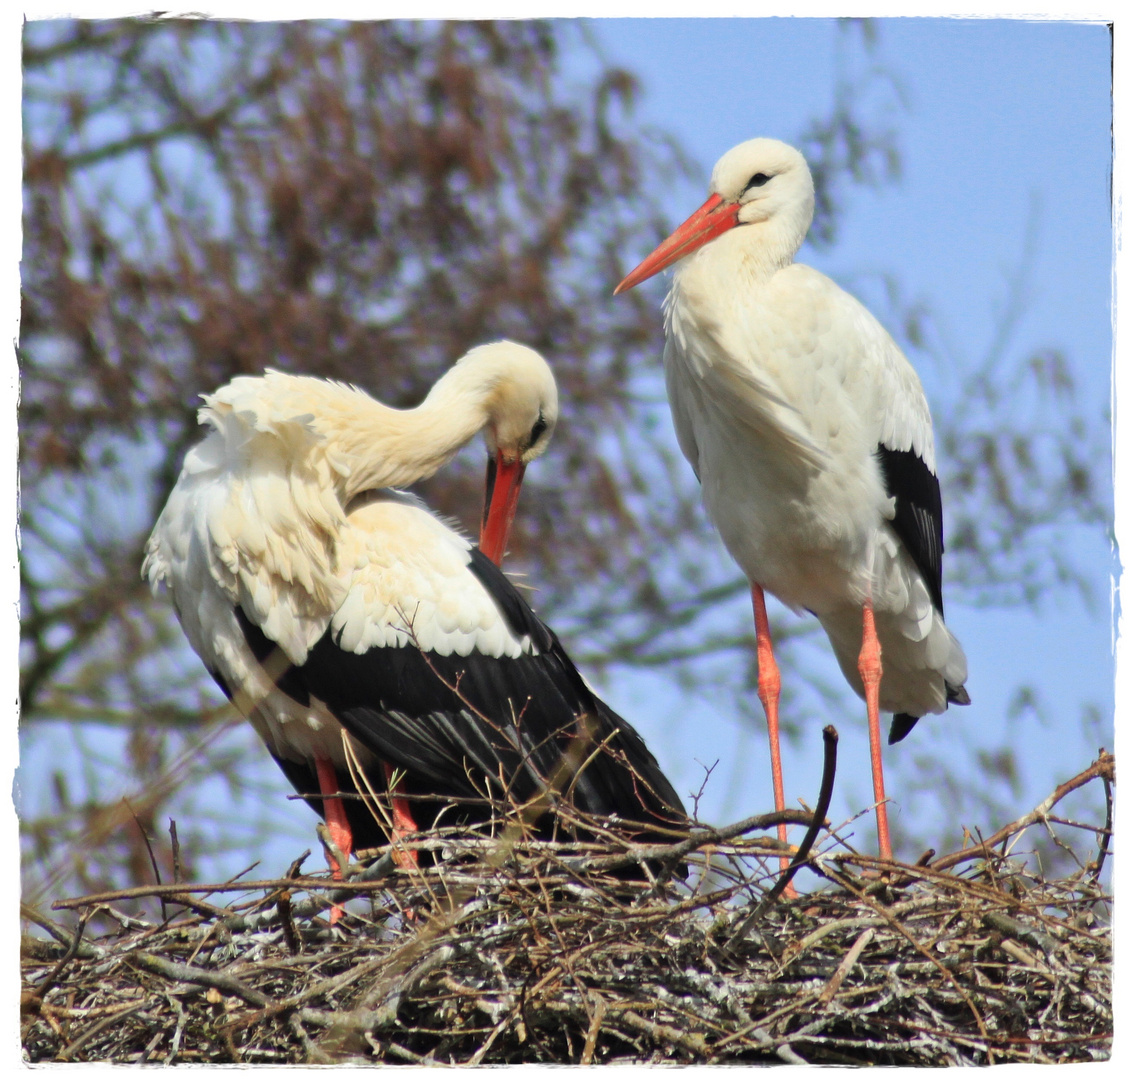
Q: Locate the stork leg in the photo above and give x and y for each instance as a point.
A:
(334, 813)
(869, 667)
(403, 822)
(769, 686)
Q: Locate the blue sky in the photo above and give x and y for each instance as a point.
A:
(996, 114)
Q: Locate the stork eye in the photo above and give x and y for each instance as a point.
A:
(537, 429)
(758, 180)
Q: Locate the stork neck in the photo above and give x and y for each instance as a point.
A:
(386, 447)
(731, 265)
(761, 248)
(397, 447)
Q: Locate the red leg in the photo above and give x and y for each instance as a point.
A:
(403, 822)
(335, 814)
(769, 686)
(869, 666)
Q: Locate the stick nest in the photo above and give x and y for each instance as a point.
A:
(510, 950)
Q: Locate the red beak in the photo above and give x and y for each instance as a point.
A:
(712, 219)
(501, 496)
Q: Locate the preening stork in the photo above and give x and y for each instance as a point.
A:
(812, 440)
(336, 612)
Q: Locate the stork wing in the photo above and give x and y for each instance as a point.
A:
(905, 451)
(436, 664)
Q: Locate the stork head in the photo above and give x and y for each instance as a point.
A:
(522, 405)
(761, 182)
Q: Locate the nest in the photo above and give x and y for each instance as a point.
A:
(508, 950)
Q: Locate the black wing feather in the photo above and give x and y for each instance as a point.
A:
(457, 725)
(919, 519)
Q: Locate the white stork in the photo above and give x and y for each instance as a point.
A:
(812, 440)
(324, 603)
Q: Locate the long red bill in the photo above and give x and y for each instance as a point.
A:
(712, 219)
(501, 497)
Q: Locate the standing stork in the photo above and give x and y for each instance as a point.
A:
(337, 612)
(812, 440)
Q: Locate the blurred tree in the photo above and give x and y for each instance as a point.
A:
(365, 201)
(359, 201)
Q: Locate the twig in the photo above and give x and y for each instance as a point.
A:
(175, 850)
(1102, 767)
(52, 977)
(829, 767)
(74, 1047)
(640, 853)
(170, 969)
(844, 968)
(1103, 845)
(152, 857)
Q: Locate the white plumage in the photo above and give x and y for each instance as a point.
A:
(259, 510)
(335, 610)
(410, 584)
(810, 434)
(269, 525)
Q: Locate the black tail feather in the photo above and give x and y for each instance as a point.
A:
(902, 724)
